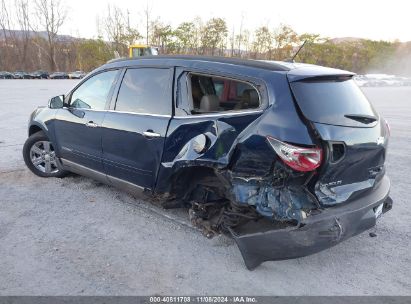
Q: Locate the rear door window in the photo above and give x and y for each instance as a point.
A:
(145, 91)
(335, 102)
(220, 94)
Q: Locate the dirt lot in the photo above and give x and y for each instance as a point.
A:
(75, 236)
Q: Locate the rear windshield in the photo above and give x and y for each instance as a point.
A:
(330, 101)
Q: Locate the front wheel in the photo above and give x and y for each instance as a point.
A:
(40, 156)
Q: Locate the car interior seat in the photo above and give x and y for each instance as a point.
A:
(196, 92)
(249, 100)
(209, 103)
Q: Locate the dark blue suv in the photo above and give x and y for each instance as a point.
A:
(287, 158)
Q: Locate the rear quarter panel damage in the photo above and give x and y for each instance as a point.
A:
(244, 167)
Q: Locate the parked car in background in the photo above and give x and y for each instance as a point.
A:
(381, 80)
(6, 75)
(406, 81)
(59, 75)
(77, 75)
(287, 158)
(39, 75)
(361, 80)
(374, 83)
(21, 75)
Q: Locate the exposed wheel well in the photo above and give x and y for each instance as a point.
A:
(189, 180)
(34, 129)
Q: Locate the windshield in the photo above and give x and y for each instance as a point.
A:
(336, 102)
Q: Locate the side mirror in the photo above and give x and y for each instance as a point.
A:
(56, 102)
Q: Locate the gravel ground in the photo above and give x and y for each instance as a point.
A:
(75, 236)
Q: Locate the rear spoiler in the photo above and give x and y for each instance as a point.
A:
(313, 72)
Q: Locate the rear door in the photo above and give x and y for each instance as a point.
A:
(221, 126)
(354, 136)
(135, 128)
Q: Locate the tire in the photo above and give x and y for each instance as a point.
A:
(40, 158)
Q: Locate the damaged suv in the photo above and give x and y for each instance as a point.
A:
(287, 158)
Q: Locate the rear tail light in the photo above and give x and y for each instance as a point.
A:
(298, 158)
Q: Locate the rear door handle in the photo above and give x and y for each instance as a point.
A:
(91, 124)
(150, 133)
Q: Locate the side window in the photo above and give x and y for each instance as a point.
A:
(219, 94)
(93, 93)
(144, 90)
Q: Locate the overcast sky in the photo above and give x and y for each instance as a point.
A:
(378, 19)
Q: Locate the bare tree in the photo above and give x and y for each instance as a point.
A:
(118, 29)
(51, 15)
(22, 14)
(5, 25)
(4, 19)
(239, 36)
(147, 16)
(114, 24)
(232, 42)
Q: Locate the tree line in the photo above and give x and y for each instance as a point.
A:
(36, 42)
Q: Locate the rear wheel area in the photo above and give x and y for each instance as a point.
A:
(40, 157)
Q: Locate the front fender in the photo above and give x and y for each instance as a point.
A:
(41, 119)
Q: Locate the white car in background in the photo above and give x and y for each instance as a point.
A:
(381, 80)
(77, 75)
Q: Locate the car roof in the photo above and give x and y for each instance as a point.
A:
(192, 59)
(294, 71)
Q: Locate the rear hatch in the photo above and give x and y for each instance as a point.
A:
(354, 137)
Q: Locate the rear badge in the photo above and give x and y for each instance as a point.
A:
(333, 184)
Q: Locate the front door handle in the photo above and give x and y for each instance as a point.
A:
(91, 124)
(151, 134)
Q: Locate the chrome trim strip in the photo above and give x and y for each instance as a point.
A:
(137, 113)
(224, 114)
(126, 185)
(107, 179)
(84, 109)
(82, 170)
(124, 112)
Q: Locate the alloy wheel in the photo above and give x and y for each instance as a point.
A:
(43, 157)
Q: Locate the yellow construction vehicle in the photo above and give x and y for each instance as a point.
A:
(137, 50)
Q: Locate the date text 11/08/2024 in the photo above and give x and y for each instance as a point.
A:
(203, 299)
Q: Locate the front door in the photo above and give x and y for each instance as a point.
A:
(78, 127)
(134, 131)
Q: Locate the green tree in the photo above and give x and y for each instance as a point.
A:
(186, 37)
(285, 39)
(92, 53)
(262, 45)
(213, 36)
(162, 35)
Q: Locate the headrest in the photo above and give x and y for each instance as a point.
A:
(209, 103)
(251, 97)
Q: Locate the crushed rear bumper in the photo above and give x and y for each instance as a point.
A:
(318, 232)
